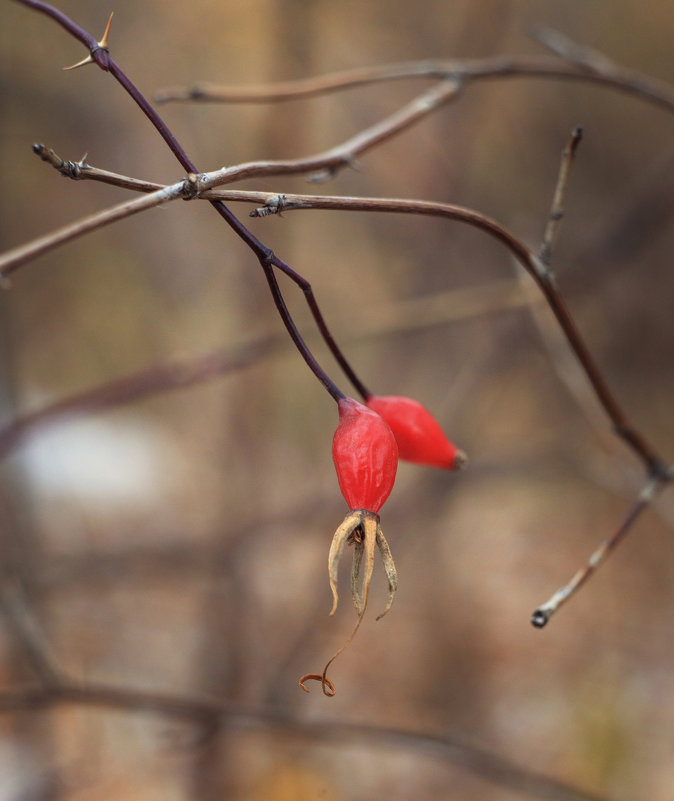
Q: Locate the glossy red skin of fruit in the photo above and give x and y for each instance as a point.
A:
(365, 454)
(418, 434)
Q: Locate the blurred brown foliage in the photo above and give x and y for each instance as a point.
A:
(180, 543)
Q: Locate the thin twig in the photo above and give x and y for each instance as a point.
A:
(100, 55)
(11, 259)
(659, 477)
(322, 164)
(206, 711)
(607, 74)
(544, 612)
(138, 385)
(532, 264)
(327, 162)
(344, 154)
(571, 51)
(557, 208)
(414, 314)
(654, 464)
(81, 170)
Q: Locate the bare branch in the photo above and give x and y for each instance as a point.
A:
(596, 69)
(344, 154)
(142, 384)
(557, 208)
(11, 259)
(659, 477)
(532, 264)
(407, 315)
(544, 612)
(207, 711)
(571, 51)
(544, 279)
(80, 170)
(590, 67)
(328, 162)
(306, 87)
(265, 256)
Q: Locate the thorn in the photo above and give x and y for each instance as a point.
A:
(87, 60)
(103, 44)
(100, 45)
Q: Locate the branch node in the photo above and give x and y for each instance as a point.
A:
(659, 472)
(100, 46)
(191, 185)
(267, 258)
(69, 169)
(273, 205)
(277, 204)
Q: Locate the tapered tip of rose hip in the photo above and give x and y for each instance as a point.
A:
(420, 438)
(460, 460)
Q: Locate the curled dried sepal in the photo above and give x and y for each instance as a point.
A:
(364, 540)
(362, 529)
(390, 568)
(350, 524)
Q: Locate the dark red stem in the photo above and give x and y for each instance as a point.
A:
(265, 256)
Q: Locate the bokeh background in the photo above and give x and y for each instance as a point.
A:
(178, 543)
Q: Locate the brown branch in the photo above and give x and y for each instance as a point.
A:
(208, 712)
(655, 465)
(571, 51)
(557, 208)
(407, 315)
(660, 476)
(605, 74)
(162, 378)
(10, 260)
(81, 170)
(544, 612)
(328, 162)
(544, 279)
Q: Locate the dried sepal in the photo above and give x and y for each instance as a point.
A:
(358, 549)
(370, 527)
(360, 528)
(389, 568)
(351, 522)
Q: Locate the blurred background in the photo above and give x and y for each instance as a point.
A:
(178, 543)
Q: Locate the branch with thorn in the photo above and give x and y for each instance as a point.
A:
(451, 78)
